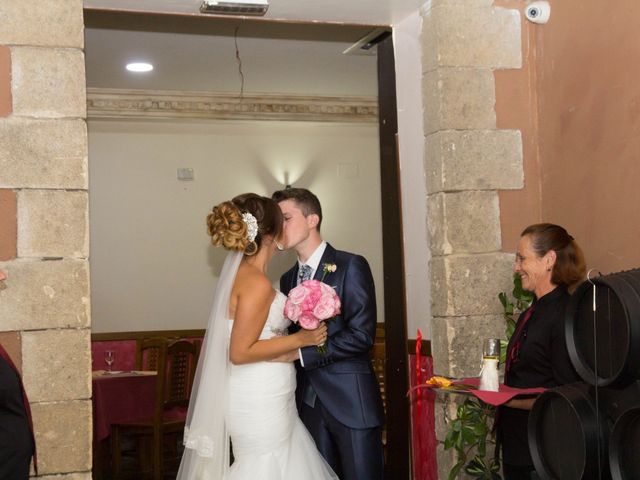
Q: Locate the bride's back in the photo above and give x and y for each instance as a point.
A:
(251, 289)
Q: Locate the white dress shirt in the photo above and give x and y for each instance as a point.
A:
(314, 260)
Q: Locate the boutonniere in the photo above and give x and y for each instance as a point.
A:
(328, 268)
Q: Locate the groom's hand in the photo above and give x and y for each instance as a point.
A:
(287, 357)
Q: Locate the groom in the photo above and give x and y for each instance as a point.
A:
(338, 396)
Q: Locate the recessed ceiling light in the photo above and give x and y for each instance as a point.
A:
(139, 67)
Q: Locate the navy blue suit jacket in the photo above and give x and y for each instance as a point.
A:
(343, 377)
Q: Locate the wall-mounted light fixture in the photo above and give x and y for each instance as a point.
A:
(139, 67)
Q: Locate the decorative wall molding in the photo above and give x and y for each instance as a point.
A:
(115, 103)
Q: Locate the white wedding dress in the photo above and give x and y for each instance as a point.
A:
(253, 405)
(269, 441)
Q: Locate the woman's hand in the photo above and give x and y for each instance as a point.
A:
(312, 337)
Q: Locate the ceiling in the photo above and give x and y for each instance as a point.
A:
(367, 12)
(297, 48)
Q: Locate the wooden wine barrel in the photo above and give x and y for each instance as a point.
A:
(604, 345)
(567, 435)
(623, 446)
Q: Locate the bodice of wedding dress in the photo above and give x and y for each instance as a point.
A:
(261, 396)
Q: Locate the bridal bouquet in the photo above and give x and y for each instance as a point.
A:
(313, 302)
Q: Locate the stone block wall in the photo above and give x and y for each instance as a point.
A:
(44, 239)
(467, 161)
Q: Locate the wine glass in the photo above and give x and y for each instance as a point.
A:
(109, 358)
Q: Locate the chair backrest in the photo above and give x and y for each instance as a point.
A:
(148, 351)
(181, 362)
(175, 362)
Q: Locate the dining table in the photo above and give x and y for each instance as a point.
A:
(118, 396)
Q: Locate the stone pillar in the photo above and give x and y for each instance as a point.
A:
(44, 239)
(467, 160)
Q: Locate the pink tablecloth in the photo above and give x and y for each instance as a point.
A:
(502, 396)
(120, 397)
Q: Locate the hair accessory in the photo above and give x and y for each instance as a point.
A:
(252, 226)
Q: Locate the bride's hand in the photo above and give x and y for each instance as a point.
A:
(313, 337)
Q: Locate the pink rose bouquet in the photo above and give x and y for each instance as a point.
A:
(310, 303)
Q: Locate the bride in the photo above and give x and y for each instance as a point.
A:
(238, 393)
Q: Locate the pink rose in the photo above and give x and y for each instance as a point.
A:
(297, 295)
(308, 321)
(314, 293)
(324, 310)
(292, 311)
(328, 305)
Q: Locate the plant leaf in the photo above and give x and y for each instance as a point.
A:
(469, 436)
(502, 296)
(456, 425)
(453, 474)
(450, 440)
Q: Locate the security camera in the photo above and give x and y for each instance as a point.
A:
(538, 12)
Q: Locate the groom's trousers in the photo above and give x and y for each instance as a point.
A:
(354, 454)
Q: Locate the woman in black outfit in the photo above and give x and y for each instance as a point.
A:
(16, 438)
(550, 263)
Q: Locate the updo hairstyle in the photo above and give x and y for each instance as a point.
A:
(570, 268)
(228, 230)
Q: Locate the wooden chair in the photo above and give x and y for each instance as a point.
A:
(148, 351)
(175, 363)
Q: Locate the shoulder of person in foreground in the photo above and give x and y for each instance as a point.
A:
(253, 296)
(253, 289)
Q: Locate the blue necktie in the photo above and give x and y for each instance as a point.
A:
(304, 273)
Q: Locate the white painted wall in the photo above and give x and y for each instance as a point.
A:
(152, 267)
(408, 58)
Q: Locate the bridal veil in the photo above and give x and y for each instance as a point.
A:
(206, 440)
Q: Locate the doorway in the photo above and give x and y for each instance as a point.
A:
(389, 237)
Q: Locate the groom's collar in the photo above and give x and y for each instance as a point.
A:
(314, 260)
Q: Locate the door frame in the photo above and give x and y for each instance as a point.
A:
(398, 464)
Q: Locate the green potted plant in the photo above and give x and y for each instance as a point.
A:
(512, 306)
(470, 431)
(469, 435)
